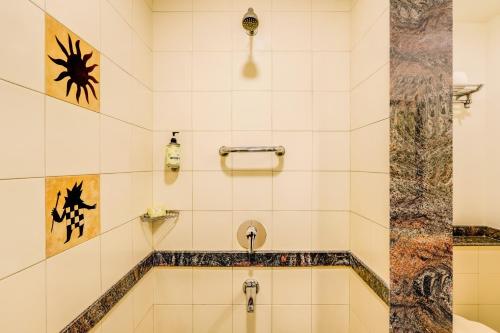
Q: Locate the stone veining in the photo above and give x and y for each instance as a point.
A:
(95, 312)
(421, 166)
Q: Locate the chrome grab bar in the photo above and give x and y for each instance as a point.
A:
(279, 150)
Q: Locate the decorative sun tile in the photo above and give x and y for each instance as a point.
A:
(71, 211)
(72, 71)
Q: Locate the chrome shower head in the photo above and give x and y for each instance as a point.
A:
(250, 22)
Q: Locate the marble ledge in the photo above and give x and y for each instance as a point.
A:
(475, 236)
(95, 312)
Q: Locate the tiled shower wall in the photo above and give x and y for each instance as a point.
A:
(43, 295)
(370, 134)
(291, 90)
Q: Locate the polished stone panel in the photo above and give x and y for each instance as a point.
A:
(421, 166)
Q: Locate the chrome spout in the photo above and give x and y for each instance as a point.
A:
(251, 288)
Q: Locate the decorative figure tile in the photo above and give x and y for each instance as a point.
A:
(72, 71)
(71, 211)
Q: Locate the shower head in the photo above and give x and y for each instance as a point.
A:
(250, 22)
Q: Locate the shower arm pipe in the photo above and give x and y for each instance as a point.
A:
(278, 150)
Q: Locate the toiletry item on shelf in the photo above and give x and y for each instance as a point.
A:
(155, 212)
(173, 153)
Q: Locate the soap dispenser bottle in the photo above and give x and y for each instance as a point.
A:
(173, 153)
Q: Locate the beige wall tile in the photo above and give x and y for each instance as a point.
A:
(212, 286)
(488, 291)
(291, 31)
(142, 192)
(124, 8)
(26, 196)
(78, 266)
(143, 295)
(370, 148)
(330, 231)
(61, 157)
(331, 111)
(212, 71)
(331, 151)
(173, 318)
(331, 31)
(331, 71)
(204, 185)
(120, 318)
(23, 46)
(116, 141)
(330, 191)
(147, 323)
(22, 141)
(172, 5)
(370, 99)
(173, 31)
(211, 111)
(212, 318)
(292, 71)
(82, 21)
(489, 259)
(116, 200)
(251, 110)
(212, 31)
(465, 288)
(141, 150)
(292, 5)
(335, 5)
(142, 237)
(292, 190)
(364, 14)
(291, 230)
(116, 90)
(370, 196)
(117, 49)
(467, 311)
(142, 16)
(142, 61)
(172, 110)
(291, 318)
(117, 256)
(330, 318)
(465, 260)
(212, 230)
(173, 189)
(174, 285)
(142, 105)
(172, 71)
(488, 314)
(212, 5)
(292, 111)
(286, 280)
(252, 190)
(24, 295)
(330, 285)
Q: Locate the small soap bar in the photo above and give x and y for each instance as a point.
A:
(154, 212)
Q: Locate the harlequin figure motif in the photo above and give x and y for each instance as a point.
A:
(72, 211)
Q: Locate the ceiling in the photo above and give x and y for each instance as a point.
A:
(475, 10)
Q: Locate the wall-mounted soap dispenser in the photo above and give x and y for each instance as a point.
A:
(173, 153)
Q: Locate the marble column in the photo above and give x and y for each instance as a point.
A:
(421, 166)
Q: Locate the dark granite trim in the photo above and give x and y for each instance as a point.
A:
(370, 278)
(258, 259)
(95, 312)
(464, 235)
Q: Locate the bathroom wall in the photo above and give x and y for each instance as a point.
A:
(476, 50)
(476, 281)
(370, 134)
(292, 300)
(291, 89)
(43, 136)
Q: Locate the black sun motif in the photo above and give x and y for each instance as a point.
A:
(76, 70)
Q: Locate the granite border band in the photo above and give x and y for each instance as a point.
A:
(96, 312)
